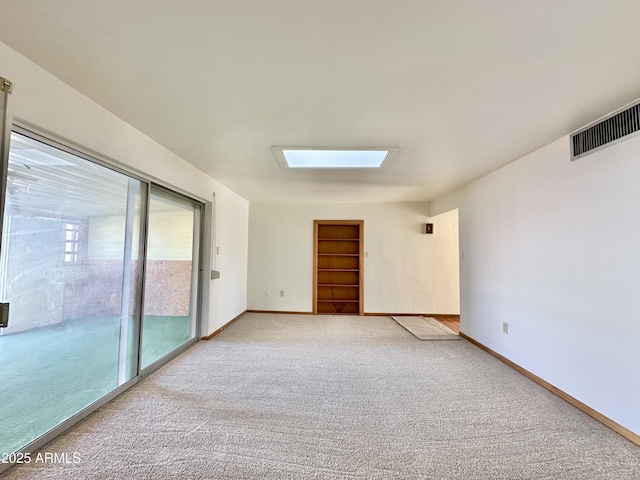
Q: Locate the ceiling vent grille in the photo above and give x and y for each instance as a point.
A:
(614, 128)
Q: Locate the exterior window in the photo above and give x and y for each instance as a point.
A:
(71, 243)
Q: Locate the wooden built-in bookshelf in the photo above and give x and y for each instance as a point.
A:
(337, 267)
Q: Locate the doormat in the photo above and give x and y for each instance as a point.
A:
(426, 328)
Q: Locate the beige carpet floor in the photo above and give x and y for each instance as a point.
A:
(321, 397)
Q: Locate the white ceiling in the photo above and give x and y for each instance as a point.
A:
(462, 87)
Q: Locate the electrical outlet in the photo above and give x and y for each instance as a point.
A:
(217, 250)
(366, 254)
(505, 327)
(282, 293)
(266, 293)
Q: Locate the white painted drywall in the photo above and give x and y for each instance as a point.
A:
(553, 248)
(232, 230)
(43, 101)
(402, 273)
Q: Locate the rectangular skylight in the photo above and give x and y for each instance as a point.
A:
(331, 158)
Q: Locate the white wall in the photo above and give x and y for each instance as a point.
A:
(402, 273)
(553, 248)
(229, 299)
(41, 100)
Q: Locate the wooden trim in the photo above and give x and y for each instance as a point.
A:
(338, 222)
(314, 307)
(361, 265)
(211, 335)
(366, 314)
(282, 312)
(437, 316)
(606, 421)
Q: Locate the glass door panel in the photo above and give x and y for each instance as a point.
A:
(69, 270)
(171, 275)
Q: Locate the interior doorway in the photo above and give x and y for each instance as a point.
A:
(338, 256)
(446, 262)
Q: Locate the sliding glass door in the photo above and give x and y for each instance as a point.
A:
(69, 270)
(171, 275)
(101, 274)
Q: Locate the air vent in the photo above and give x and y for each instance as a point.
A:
(614, 128)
